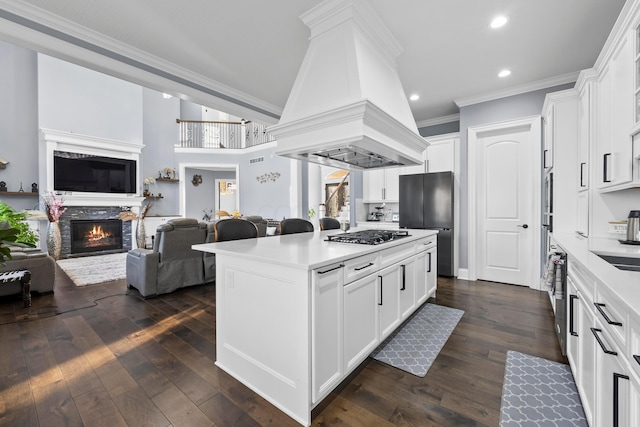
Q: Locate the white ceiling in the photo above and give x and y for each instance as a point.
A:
(251, 49)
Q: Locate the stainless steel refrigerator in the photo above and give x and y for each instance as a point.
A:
(426, 202)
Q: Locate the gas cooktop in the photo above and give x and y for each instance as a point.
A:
(368, 237)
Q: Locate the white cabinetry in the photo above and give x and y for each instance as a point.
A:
(408, 285)
(441, 153)
(614, 118)
(548, 137)
(360, 320)
(327, 365)
(598, 351)
(381, 185)
(389, 300)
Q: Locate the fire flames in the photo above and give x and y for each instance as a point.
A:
(96, 236)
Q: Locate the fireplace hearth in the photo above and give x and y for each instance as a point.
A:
(93, 235)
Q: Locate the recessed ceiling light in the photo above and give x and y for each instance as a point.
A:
(504, 73)
(414, 97)
(498, 21)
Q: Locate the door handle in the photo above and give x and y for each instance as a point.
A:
(523, 225)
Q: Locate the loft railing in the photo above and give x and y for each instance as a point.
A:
(208, 134)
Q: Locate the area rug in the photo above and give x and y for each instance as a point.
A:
(415, 345)
(91, 270)
(539, 392)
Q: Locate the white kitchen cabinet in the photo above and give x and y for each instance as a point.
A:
(389, 300)
(441, 153)
(548, 137)
(408, 285)
(360, 320)
(432, 270)
(584, 134)
(614, 119)
(381, 185)
(327, 333)
(582, 219)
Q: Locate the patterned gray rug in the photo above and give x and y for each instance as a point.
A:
(539, 392)
(90, 270)
(414, 346)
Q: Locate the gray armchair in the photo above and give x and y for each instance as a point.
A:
(171, 264)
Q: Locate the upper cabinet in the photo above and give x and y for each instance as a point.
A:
(441, 153)
(548, 137)
(615, 117)
(381, 185)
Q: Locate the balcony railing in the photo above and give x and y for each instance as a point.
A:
(205, 134)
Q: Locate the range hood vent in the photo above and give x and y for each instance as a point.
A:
(347, 107)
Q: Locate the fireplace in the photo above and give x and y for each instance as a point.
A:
(95, 235)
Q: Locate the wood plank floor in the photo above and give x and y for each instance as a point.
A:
(97, 356)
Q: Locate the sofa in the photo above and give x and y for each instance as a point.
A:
(41, 266)
(171, 264)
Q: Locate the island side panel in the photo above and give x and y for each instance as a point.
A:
(262, 328)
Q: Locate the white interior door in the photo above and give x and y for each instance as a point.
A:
(507, 203)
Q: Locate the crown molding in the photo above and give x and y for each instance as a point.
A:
(44, 32)
(439, 120)
(517, 90)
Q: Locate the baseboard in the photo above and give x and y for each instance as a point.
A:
(463, 273)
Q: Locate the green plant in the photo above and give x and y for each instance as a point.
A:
(17, 221)
(312, 213)
(8, 234)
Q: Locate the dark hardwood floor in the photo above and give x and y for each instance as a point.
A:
(97, 356)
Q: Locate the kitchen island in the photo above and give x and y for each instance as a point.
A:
(296, 314)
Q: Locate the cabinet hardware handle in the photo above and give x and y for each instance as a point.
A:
(595, 334)
(599, 306)
(363, 267)
(637, 358)
(616, 398)
(544, 159)
(582, 165)
(429, 270)
(403, 277)
(571, 299)
(331, 269)
(581, 233)
(380, 301)
(605, 170)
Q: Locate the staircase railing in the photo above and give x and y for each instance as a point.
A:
(212, 134)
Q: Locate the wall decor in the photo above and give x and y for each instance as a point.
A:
(197, 180)
(271, 176)
(3, 163)
(3, 186)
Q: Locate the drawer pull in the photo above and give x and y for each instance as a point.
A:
(599, 306)
(616, 398)
(595, 334)
(571, 315)
(404, 282)
(637, 358)
(331, 269)
(429, 270)
(380, 300)
(363, 267)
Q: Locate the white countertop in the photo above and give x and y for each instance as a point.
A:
(624, 284)
(303, 250)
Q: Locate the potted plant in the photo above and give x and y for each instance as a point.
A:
(8, 235)
(17, 220)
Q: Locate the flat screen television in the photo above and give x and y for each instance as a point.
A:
(93, 174)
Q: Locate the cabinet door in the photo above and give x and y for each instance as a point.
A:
(582, 220)
(612, 391)
(441, 155)
(373, 185)
(389, 300)
(586, 377)
(633, 406)
(327, 352)
(432, 271)
(408, 287)
(421, 278)
(547, 153)
(623, 112)
(573, 325)
(392, 185)
(603, 164)
(584, 137)
(360, 320)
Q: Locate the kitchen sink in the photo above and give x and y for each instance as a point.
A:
(622, 262)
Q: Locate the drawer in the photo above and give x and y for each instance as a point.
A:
(425, 244)
(356, 268)
(582, 278)
(613, 315)
(397, 254)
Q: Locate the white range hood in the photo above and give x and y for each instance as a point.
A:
(347, 107)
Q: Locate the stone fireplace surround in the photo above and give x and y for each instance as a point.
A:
(92, 212)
